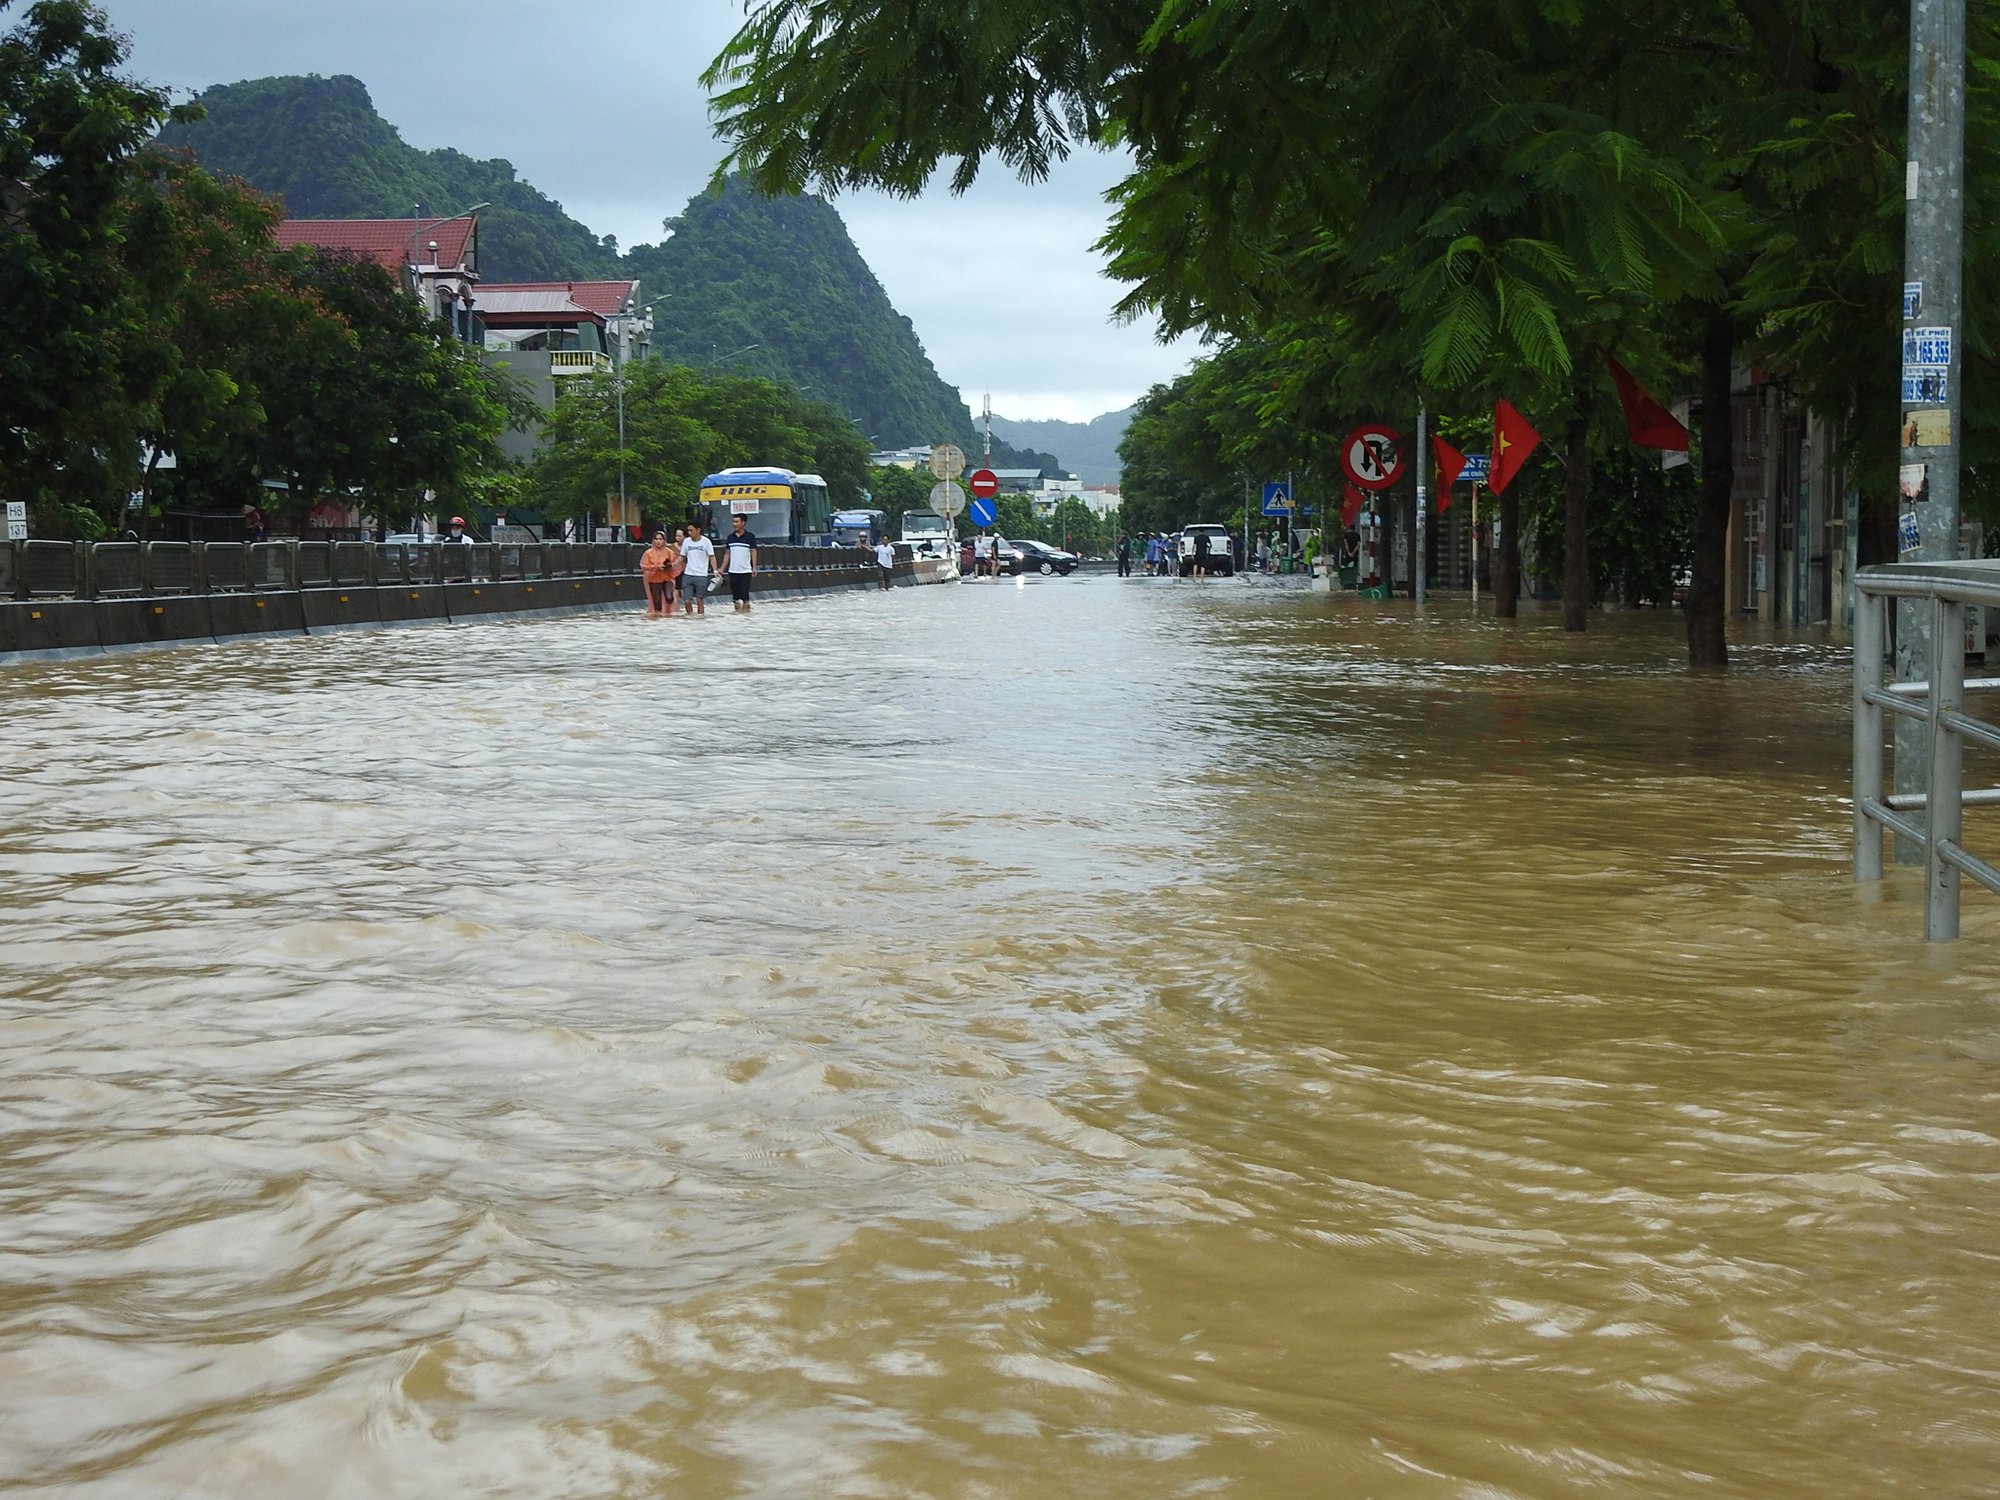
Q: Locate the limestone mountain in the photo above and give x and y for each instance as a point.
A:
(776, 286)
(319, 144)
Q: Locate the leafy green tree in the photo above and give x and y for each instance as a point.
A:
(1474, 196)
(1014, 516)
(232, 293)
(80, 375)
(682, 424)
(371, 398)
(1075, 526)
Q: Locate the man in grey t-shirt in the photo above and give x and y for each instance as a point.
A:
(697, 563)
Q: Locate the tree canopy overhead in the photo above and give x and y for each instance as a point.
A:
(1455, 199)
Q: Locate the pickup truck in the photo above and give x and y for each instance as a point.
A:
(1221, 562)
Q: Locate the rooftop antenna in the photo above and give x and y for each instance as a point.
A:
(989, 429)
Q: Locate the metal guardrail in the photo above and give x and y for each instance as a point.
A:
(123, 570)
(1933, 819)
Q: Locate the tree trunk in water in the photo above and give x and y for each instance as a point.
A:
(1576, 527)
(1507, 559)
(1707, 607)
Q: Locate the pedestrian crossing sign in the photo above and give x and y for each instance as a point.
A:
(1278, 498)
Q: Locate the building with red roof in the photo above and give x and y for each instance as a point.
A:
(436, 260)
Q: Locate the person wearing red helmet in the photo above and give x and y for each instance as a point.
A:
(458, 533)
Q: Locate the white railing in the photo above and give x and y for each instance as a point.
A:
(1932, 819)
(578, 362)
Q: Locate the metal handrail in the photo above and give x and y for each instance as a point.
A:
(1939, 702)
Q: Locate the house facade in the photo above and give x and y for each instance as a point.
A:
(547, 332)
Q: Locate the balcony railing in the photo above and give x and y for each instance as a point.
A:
(578, 362)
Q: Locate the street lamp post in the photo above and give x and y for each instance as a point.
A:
(625, 321)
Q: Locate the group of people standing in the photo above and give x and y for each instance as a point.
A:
(683, 569)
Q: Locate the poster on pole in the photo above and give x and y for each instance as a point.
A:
(1926, 366)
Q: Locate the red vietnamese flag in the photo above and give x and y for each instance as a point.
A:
(1350, 505)
(1513, 441)
(1451, 463)
(1650, 424)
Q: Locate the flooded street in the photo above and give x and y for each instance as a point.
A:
(1087, 1038)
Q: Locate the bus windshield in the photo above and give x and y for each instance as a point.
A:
(778, 506)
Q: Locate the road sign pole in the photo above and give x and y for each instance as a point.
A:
(1423, 507)
(1475, 546)
(1933, 359)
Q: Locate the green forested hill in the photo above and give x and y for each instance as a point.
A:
(319, 144)
(781, 273)
(737, 269)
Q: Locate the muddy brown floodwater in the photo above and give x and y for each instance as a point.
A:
(1088, 1038)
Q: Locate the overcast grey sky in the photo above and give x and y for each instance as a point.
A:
(1002, 284)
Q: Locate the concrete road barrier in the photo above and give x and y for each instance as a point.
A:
(43, 627)
(406, 603)
(353, 608)
(275, 613)
(154, 622)
(165, 610)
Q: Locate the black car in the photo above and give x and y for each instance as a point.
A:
(1040, 557)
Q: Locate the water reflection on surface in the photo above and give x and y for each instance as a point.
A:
(1087, 1037)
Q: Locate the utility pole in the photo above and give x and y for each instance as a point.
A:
(1933, 354)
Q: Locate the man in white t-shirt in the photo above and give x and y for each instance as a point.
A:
(885, 560)
(697, 563)
(982, 555)
(741, 562)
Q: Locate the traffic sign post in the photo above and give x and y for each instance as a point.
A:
(947, 499)
(947, 461)
(1372, 456)
(17, 520)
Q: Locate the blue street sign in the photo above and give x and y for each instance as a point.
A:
(1475, 468)
(1277, 498)
(983, 513)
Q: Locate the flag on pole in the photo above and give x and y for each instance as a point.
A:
(1450, 463)
(1650, 424)
(1350, 505)
(1513, 441)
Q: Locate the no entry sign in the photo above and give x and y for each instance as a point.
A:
(983, 483)
(1372, 456)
